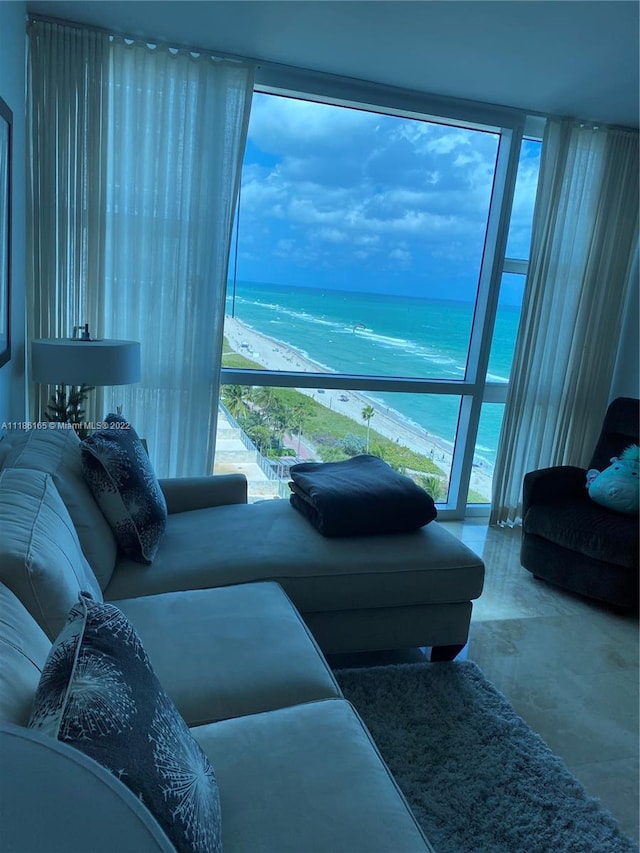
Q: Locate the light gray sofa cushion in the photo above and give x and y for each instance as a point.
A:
(41, 560)
(57, 452)
(307, 778)
(233, 651)
(200, 549)
(184, 494)
(23, 651)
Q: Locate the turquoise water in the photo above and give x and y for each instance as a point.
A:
(369, 334)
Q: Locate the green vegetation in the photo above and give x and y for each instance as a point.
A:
(476, 498)
(266, 414)
(231, 358)
(433, 484)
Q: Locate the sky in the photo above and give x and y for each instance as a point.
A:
(347, 199)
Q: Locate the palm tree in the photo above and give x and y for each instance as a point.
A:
(276, 416)
(367, 413)
(298, 414)
(235, 398)
(432, 484)
(264, 397)
(260, 434)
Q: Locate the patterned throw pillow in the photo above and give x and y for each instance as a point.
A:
(118, 471)
(99, 694)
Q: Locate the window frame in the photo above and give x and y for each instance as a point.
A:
(473, 390)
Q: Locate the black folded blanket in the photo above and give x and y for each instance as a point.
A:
(362, 496)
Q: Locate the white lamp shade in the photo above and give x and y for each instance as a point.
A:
(72, 361)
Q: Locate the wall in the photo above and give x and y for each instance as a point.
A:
(12, 88)
(626, 377)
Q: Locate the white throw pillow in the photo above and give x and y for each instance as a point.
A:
(41, 560)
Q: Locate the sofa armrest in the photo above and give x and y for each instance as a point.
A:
(184, 494)
(550, 485)
(53, 797)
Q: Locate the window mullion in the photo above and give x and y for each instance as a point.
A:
(342, 381)
(486, 307)
(516, 266)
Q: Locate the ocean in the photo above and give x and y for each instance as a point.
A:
(384, 335)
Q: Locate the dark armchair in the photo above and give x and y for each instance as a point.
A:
(574, 543)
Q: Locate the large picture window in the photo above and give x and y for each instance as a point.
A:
(367, 281)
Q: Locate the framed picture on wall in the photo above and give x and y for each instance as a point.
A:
(6, 120)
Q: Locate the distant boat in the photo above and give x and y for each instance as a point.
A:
(359, 326)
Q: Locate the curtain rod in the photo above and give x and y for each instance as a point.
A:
(206, 51)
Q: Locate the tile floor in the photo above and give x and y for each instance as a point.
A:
(568, 666)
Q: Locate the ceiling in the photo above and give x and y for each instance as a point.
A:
(568, 57)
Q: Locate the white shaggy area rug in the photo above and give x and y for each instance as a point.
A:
(477, 778)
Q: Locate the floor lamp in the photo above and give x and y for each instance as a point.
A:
(76, 366)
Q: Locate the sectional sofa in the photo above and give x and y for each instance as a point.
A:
(354, 594)
(295, 768)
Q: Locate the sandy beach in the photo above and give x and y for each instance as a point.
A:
(275, 355)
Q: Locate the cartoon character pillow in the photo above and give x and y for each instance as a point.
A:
(618, 486)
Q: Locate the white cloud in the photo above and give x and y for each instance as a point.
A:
(284, 246)
(333, 235)
(448, 142)
(370, 240)
(401, 255)
(337, 188)
(263, 193)
(466, 159)
(356, 218)
(284, 124)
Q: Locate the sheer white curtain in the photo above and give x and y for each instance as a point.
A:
(135, 159)
(177, 129)
(66, 172)
(584, 239)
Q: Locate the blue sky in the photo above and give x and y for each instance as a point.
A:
(345, 199)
